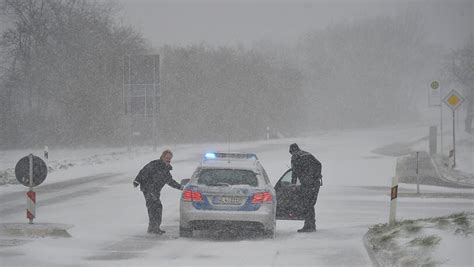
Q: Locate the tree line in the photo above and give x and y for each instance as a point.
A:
(63, 63)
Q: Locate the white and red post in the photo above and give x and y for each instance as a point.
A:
(393, 200)
(31, 196)
(31, 205)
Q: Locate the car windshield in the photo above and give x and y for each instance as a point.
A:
(227, 177)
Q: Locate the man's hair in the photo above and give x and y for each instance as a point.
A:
(165, 152)
(293, 148)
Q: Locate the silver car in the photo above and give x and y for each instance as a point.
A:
(228, 191)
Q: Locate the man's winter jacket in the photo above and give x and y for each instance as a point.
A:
(153, 176)
(306, 168)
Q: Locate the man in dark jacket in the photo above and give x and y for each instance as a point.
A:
(307, 169)
(151, 179)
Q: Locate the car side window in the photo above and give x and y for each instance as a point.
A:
(286, 179)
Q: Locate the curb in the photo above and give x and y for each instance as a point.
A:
(442, 178)
(370, 251)
(430, 172)
(35, 230)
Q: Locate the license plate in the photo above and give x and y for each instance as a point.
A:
(227, 200)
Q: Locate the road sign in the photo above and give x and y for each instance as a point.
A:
(22, 171)
(434, 95)
(453, 99)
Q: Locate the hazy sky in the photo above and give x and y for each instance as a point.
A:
(226, 22)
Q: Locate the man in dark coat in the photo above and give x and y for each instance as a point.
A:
(307, 169)
(151, 178)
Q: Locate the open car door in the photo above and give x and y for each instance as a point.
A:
(289, 203)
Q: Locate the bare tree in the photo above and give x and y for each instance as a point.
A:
(226, 93)
(62, 71)
(462, 67)
(364, 73)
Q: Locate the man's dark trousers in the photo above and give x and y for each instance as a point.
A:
(155, 210)
(310, 196)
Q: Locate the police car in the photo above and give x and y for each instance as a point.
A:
(228, 191)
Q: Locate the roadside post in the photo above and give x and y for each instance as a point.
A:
(451, 159)
(417, 174)
(31, 195)
(454, 100)
(434, 100)
(46, 154)
(31, 171)
(393, 200)
(433, 134)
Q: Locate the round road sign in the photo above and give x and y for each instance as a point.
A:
(22, 171)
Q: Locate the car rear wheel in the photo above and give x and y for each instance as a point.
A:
(269, 233)
(185, 232)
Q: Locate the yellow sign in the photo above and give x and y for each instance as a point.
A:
(453, 99)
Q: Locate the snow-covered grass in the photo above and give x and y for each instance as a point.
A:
(422, 242)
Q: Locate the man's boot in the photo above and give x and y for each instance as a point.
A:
(150, 229)
(160, 232)
(153, 229)
(306, 230)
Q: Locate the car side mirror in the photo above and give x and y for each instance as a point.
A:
(185, 181)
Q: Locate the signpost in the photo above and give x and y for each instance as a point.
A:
(453, 100)
(142, 93)
(31, 171)
(417, 174)
(434, 100)
(435, 95)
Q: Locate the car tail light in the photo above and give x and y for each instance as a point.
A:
(190, 195)
(263, 197)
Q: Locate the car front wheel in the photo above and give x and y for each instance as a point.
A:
(185, 232)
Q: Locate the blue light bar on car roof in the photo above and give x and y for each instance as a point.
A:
(222, 155)
(210, 155)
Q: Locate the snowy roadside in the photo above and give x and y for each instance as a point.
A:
(446, 240)
(422, 242)
(87, 159)
(460, 176)
(62, 160)
(432, 169)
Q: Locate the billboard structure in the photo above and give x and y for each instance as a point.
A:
(141, 94)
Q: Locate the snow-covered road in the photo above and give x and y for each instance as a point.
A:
(109, 219)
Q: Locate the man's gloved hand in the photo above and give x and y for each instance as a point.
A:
(135, 183)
